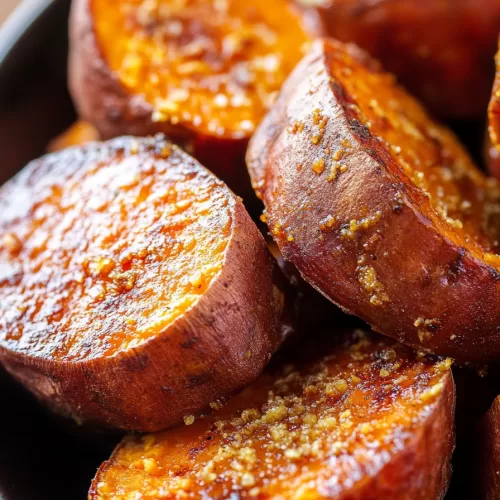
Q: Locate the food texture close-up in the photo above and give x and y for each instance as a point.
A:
(250, 250)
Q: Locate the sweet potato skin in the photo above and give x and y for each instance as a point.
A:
(417, 467)
(441, 50)
(102, 99)
(418, 282)
(490, 451)
(78, 134)
(213, 349)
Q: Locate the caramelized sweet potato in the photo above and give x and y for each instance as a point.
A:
(441, 50)
(202, 71)
(79, 133)
(364, 418)
(493, 140)
(134, 287)
(379, 207)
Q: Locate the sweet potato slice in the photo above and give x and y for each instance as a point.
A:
(441, 50)
(134, 287)
(202, 71)
(379, 207)
(79, 133)
(493, 139)
(490, 452)
(362, 418)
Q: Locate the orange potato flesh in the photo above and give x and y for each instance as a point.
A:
(379, 207)
(153, 246)
(366, 418)
(204, 72)
(120, 262)
(79, 133)
(441, 50)
(207, 65)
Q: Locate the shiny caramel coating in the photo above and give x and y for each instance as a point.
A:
(361, 417)
(379, 207)
(202, 71)
(120, 263)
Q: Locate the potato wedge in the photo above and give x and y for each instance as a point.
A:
(134, 287)
(363, 417)
(441, 50)
(493, 139)
(379, 207)
(204, 72)
(79, 133)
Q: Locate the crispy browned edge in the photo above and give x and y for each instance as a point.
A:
(425, 274)
(420, 471)
(154, 385)
(489, 452)
(492, 143)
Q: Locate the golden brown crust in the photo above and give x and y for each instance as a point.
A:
(218, 66)
(79, 133)
(490, 451)
(441, 50)
(360, 418)
(135, 288)
(379, 207)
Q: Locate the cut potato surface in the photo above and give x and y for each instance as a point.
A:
(379, 207)
(441, 50)
(202, 71)
(78, 134)
(362, 418)
(134, 287)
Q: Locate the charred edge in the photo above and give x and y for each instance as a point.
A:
(456, 266)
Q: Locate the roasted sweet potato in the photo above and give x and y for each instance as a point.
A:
(78, 134)
(362, 418)
(202, 71)
(493, 139)
(441, 50)
(490, 452)
(379, 207)
(134, 287)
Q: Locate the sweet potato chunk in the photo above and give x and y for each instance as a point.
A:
(379, 207)
(490, 452)
(441, 50)
(78, 134)
(202, 71)
(362, 418)
(134, 287)
(493, 140)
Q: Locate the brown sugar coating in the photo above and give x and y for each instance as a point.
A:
(89, 271)
(379, 206)
(441, 50)
(210, 65)
(204, 72)
(79, 133)
(338, 424)
(120, 263)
